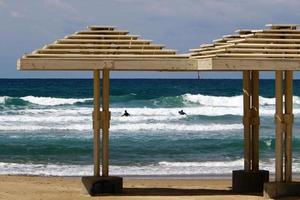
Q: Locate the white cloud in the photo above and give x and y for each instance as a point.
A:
(16, 14)
(2, 4)
(60, 4)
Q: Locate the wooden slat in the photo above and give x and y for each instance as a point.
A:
(282, 26)
(104, 51)
(209, 52)
(86, 41)
(225, 39)
(85, 36)
(212, 48)
(259, 55)
(207, 45)
(282, 31)
(104, 32)
(101, 27)
(257, 45)
(100, 56)
(266, 40)
(248, 50)
(284, 35)
(103, 46)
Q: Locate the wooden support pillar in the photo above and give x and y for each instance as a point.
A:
(288, 119)
(279, 128)
(105, 123)
(246, 119)
(251, 120)
(255, 120)
(283, 185)
(105, 184)
(96, 123)
(251, 179)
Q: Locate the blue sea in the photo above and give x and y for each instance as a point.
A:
(46, 127)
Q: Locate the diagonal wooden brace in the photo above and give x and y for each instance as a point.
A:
(278, 118)
(284, 120)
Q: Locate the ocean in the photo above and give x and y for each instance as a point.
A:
(46, 127)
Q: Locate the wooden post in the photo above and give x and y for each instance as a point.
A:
(255, 120)
(279, 135)
(106, 122)
(288, 118)
(246, 119)
(96, 123)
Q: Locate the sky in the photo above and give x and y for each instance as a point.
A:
(26, 25)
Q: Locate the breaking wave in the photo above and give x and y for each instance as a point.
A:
(162, 168)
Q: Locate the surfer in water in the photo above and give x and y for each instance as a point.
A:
(126, 114)
(181, 112)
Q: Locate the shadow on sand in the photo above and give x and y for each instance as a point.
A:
(176, 192)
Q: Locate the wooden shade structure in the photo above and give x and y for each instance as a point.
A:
(104, 49)
(276, 48)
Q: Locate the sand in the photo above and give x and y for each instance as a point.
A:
(63, 188)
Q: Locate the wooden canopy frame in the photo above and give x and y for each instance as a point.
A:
(104, 49)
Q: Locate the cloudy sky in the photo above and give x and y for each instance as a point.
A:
(26, 25)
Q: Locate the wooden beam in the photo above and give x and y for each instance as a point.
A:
(255, 120)
(279, 131)
(263, 64)
(288, 118)
(246, 119)
(135, 64)
(96, 123)
(106, 122)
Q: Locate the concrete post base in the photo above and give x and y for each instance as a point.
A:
(279, 189)
(249, 181)
(99, 185)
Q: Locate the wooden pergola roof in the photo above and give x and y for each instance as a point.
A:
(105, 47)
(275, 48)
(101, 47)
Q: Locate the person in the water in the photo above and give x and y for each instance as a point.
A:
(126, 114)
(181, 112)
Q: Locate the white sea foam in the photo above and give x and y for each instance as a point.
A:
(3, 99)
(124, 127)
(225, 101)
(162, 168)
(205, 100)
(50, 101)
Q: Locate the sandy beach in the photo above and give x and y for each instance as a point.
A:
(63, 188)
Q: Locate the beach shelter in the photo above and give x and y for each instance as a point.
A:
(276, 48)
(102, 49)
